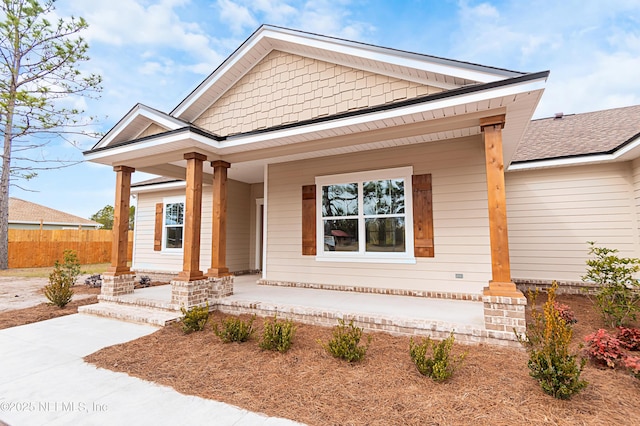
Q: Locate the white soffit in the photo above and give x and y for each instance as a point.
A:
(447, 74)
(518, 100)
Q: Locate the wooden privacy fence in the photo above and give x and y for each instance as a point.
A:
(30, 248)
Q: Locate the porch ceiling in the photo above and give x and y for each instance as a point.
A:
(443, 119)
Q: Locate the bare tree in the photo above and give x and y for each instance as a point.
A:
(39, 62)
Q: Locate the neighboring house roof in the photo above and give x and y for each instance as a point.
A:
(577, 135)
(21, 211)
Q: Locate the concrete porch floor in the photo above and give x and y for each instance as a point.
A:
(376, 312)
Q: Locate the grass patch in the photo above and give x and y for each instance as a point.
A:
(95, 268)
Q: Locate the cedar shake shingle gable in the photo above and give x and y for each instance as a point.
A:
(573, 135)
(21, 211)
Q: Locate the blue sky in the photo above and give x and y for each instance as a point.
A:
(157, 51)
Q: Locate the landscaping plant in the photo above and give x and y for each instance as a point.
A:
(566, 313)
(440, 365)
(345, 343)
(632, 363)
(547, 339)
(277, 335)
(618, 294)
(603, 348)
(71, 265)
(629, 338)
(195, 318)
(234, 330)
(59, 291)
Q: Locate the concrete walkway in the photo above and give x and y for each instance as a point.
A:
(43, 380)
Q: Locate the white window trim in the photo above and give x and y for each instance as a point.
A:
(165, 201)
(378, 257)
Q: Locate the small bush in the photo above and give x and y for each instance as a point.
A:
(277, 335)
(603, 348)
(345, 343)
(195, 318)
(632, 363)
(440, 365)
(59, 291)
(234, 330)
(629, 338)
(547, 338)
(566, 313)
(93, 281)
(617, 298)
(70, 266)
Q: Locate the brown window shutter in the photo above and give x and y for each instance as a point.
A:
(157, 233)
(422, 216)
(309, 220)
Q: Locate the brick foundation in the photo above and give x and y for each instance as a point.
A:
(504, 316)
(564, 287)
(221, 287)
(188, 294)
(198, 293)
(377, 290)
(117, 285)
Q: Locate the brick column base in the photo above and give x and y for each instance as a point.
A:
(190, 293)
(221, 287)
(504, 315)
(117, 285)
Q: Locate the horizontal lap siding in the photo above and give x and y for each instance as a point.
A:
(552, 214)
(461, 233)
(238, 228)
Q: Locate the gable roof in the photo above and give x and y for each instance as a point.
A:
(576, 136)
(464, 93)
(21, 211)
(425, 69)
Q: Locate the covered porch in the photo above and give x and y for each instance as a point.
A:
(396, 314)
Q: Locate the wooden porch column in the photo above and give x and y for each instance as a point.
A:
(501, 284)
(192, 219)
(120, 239)
(219, 222)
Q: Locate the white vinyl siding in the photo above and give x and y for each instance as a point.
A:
(238, 230)
(552, 213)
(461, 225)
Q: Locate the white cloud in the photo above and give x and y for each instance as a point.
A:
(238, 17)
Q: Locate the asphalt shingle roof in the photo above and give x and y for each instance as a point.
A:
(25, 211)
(579, 134)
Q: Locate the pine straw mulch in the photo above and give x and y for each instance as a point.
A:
(45, 311)
(492, 386)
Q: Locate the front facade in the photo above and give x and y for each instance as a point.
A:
(330, 164)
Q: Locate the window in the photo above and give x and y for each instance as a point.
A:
(365, 215)
(173, 223)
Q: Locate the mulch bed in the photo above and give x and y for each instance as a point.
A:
(306, 384)
(44, 311)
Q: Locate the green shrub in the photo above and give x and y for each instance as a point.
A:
(277, 335)
(547, 339)
(345, 343)
(195, 318)
(234, 330)
(58, 291)
(440, 365)
(71, 265)
(618, 294)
